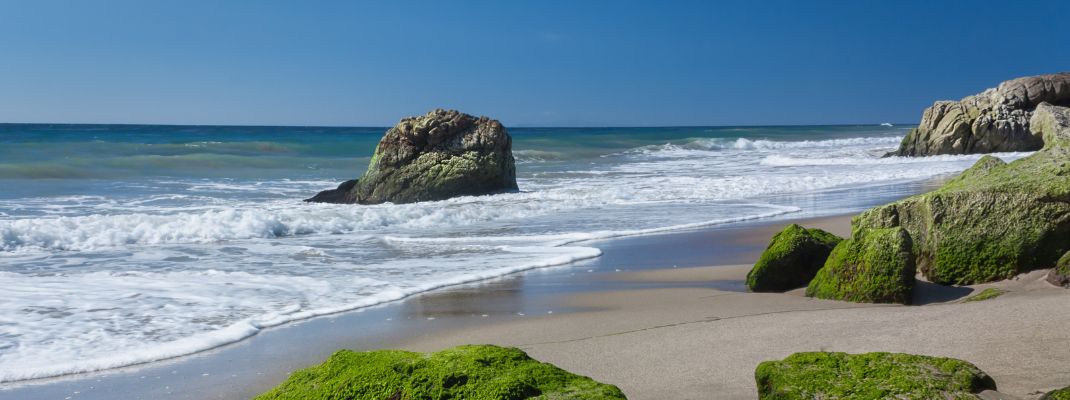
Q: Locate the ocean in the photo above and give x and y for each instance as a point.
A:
(123, 244)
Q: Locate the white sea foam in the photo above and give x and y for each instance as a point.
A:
(697, 147)
(786, 161)
(91, 308)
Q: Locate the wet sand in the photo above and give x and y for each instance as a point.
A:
(651, 316)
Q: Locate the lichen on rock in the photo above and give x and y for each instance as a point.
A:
(463, 372)
(830, 376)
(996, 120)
(873, 266)
(437, 156)
(995, 220)
(791, 260)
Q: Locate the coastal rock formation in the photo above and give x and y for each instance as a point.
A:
(874, 266)
(463, 372)
(995, 120)
(823, 375)
(434, 157)
(792, 259)
(995, 220)
(1060, 275)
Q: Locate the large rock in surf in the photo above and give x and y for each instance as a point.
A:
(874, 266)
(792, 259)
(434, 157)
(995, 220)
(995, 120)
(464, 372)
(822, 375)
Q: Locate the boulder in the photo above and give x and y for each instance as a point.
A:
(1060, 275)
(874, 266)
(792, 259)
(995, 120)
(995, 220)
(437, 156)
(464, 372)
(824, 375)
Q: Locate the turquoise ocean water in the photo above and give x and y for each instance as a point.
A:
(122, 244)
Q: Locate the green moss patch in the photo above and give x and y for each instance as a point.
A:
(823, 375)
(986, 294)
(1058, 394)
(464, 372)
(874, 266)
(793, 257)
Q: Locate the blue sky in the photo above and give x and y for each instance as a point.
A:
(528, 63)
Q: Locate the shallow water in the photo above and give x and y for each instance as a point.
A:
(125, 244)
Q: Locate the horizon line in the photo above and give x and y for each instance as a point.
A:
(522, 126)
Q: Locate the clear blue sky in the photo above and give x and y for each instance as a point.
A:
(544, 63)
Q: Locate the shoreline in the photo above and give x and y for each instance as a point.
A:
(263, 362)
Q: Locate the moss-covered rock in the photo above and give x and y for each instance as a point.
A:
(822, 375)
(1060, 275)
(1057, 394)
(464, 372)
(874, 266)
(792, 259)
(995, 220)
(986, 294)
(433, 157)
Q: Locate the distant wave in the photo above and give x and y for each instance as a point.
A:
(694, 147)
(787, 161)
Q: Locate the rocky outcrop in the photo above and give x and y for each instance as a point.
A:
(1060, 275)
(995, 120)
(995, 220)
(873, 266)
(463, 372)
(792, 259)
(434, 157)
(823, 375)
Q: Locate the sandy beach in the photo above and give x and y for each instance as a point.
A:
(700, 343)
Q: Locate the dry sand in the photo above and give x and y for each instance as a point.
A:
(699, 343)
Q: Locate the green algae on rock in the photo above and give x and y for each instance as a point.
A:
(791, 260)
(825, 375)
(463, 372)
(1057, 394)
(874, 266)
(995, 220)
(1060, 275)
(434, 157)
(986, 294)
